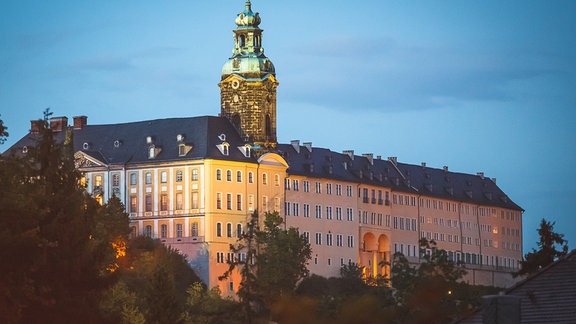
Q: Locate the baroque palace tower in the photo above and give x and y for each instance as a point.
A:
(248, 86)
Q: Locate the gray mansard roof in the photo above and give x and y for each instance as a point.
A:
(128, 144)
(415, 179)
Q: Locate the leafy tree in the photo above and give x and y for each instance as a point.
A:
(59, 259)
(3, 132)
(276, 260)
(425, 293)
(547, 252)
(208, 307)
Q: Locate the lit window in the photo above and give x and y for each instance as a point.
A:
(164, 177)
(179, 201)
(194, 174)
(164, 202)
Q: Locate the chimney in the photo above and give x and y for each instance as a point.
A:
(80, 122)
(393, 159)
(370, 157)
(500, 309)
(296, 145)
(481, 175)
(308, 145)
(350, 154)
(36, 125)
(58, 124)
(445, 168)
(423, 164)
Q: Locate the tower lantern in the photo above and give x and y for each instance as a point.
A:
(248, 84)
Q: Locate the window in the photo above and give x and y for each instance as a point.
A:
(218, 200)
(228, 175)
(318, 187)
(328, 212)
(179, 201)
(133, 178)
(329, 188)
(229, 230)
(148, 231)
(148, 203)
(133, 204)
(164, 177)
(318, 211)
(239, 230)
(306, 210)
(229, 201)
(329, 239)
(218, 174)
(276, 180)
(178, 230)
(350, 241)
(178, 175)
(219, 229)
(318, 238)
(163, 231)
(238, 176)
(264, 178)
(148, 177)
(349, 214)
(220, 257)
(276, 204)
(265, 203)
(306, 185)
(238, 202)
(194, 229)
(296, 209)
(251, 202)
(287, 184)
(295, 185)
(181, 149)
(250, 177)
(339, 213)
(339, 240)
(98, 181)
(194, 200)
(163, 202)
(194, 174)
(338, 190)
(116, 180)
(349, 191)
(307, 236)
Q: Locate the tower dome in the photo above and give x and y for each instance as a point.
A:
(248, 57)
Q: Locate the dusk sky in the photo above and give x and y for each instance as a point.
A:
(474, 85)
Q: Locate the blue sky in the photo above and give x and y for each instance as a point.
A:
(475, 85)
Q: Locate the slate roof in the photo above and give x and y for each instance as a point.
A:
(401, 177)
(202, 133)
(125, 144)
(549, 296)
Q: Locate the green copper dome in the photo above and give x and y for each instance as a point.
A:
(248, 59)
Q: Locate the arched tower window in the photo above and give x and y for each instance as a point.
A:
(236, 121)
(241, 40)
(268, 126)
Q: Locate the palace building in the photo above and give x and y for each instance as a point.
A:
(194, 182)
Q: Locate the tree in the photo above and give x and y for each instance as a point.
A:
(48, 230)
(3, 132)
(425, 293)
(547, 252)
(275, 261)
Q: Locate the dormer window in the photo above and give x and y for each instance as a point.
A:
(224, 148)
(151, 152)
(181, 150)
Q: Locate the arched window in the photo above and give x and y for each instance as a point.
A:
(239, 231)
(264, 178)
(218, 174)
(241, 41)
(228, 175)
(268, 126)
(219, 229)
(250, 177)
(229, 230)
(238, 176)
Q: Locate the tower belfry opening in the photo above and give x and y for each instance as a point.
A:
(248, 84)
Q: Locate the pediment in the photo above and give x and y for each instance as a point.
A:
(84, 160)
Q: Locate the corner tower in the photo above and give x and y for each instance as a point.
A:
(248, 84)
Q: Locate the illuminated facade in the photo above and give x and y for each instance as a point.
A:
(194, 182)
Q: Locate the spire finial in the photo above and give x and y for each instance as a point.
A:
(248, 5)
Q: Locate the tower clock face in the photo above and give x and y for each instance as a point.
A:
(235, 84)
